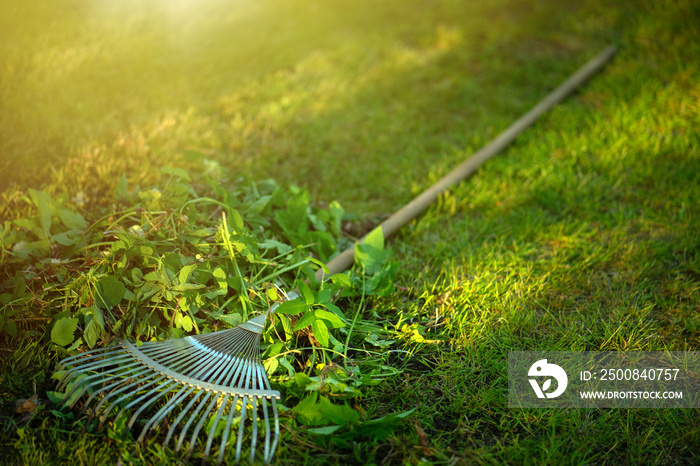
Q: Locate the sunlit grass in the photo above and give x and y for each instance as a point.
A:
(297, 91)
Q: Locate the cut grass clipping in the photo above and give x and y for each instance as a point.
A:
(181, 263)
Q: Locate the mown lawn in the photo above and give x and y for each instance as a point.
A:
(583, 235)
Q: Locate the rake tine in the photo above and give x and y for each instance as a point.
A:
(83, 386)
(214, 425)
(229, 419)
(237, 366)
(222, 371)
(65, 380)
(168, 388)
(164, 410)
(181, 416)
(67, 361)
(239, 438)
(136, 400)
(254, 436)
(134, 373)
(250, 380)
(200, 406)
(198, 427)
(124, 397)
(273, 402)
(263, 403)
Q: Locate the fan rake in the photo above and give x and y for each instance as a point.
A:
(205, 378)
(220, 373)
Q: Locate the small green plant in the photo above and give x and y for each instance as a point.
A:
(170, 262)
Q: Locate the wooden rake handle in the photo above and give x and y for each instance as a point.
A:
(421, 202)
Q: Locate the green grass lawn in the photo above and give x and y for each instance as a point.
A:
(583, 235)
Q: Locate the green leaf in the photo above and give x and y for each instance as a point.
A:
(63, 331)
(272, 294)
(293, 307)
(287, 326)
(341, 279)
(271, 366)
(109, 292)
(306, 292)
(187, 323)
(323, 296)
(63, 239)
(375, 239)
(175, 171)
(380, 428)
(231, 319)
(92, 333)
(72, 220)
(236, 221)
(335, 310)
(337, 213)
(10, 327)
(185, 273)
(271, 243)
(340, 414)
(329, 317)
(320, 332)
(306, 320)
(44, 203)
(187, 286)
(121, 190)
(323, 430)
(309, 411)
(285, 363)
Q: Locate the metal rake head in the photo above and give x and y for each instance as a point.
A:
(209, 381)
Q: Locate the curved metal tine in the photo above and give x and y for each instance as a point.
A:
(181, 439)
(262, 377)
(237, 376)
(206, 365)
(163, 346)
(124, 397)
(180, 359)
(241, 428)
(161, 391)
(266, 421)
(139, 399)
(215, 424)
(221, 347)
(84, 386)
(250, 381)
(87, 355)
(276, 438)
(273, 401)
(227, 376)
(254, 434)
(222, 374)
(128, 375)
(194, 370)
(198, 427)
(184, 412)
(245, 377)
(159, 351)
(229, 373)
(68, 376)
(232, 376)
(164, 410)
(229, 420)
